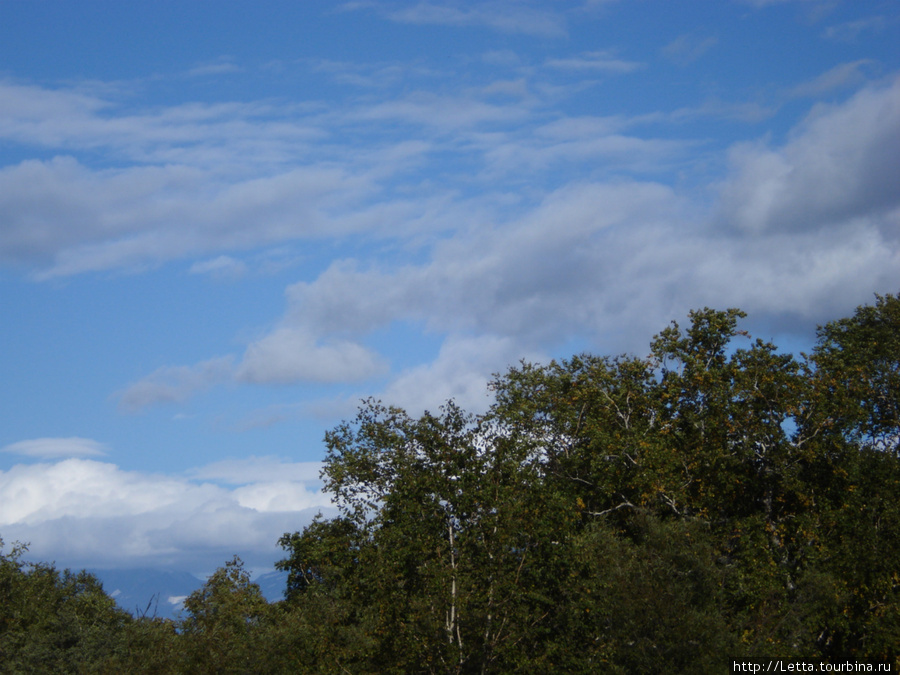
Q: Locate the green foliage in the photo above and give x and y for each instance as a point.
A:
(633, 603)
(715, 500)
(52, 621)
(716, 497)
(224, 616)
(857, 376)
(442, 533)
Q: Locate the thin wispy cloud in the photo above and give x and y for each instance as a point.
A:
(506, 17)
(687, 48)
(173, 384)
(600, 62)
(767, 3)
(221, 66)
(54, 448)
(840, 77)
(851, 31)
(222, 267)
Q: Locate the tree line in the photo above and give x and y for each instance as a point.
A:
(717, 499)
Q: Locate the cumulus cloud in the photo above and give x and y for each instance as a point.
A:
(52, 448)
(294, 355)
(461, 372)
(839, 164)
(528, 279)
(95, 514)
(277, 496)
(501, 293)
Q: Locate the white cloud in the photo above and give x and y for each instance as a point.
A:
(95, 514)
(52, 448)
(275, 496)
(294, 355)
(207, 135)
(840, 164)
(518, 268)
(205, 180)
(611, 262)
(82, 220)
(614, 262)
(584, 127)
(372, 74)
(495, 293)
(287, 355)
(461, 372)
(532, 279)
(502, 292)
(201, 180)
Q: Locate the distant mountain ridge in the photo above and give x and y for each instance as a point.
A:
(161, 593)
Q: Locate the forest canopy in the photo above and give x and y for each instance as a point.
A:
(716, 499)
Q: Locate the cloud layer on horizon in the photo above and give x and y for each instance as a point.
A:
(94, 514)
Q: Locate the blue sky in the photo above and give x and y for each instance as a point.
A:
(222, 224)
